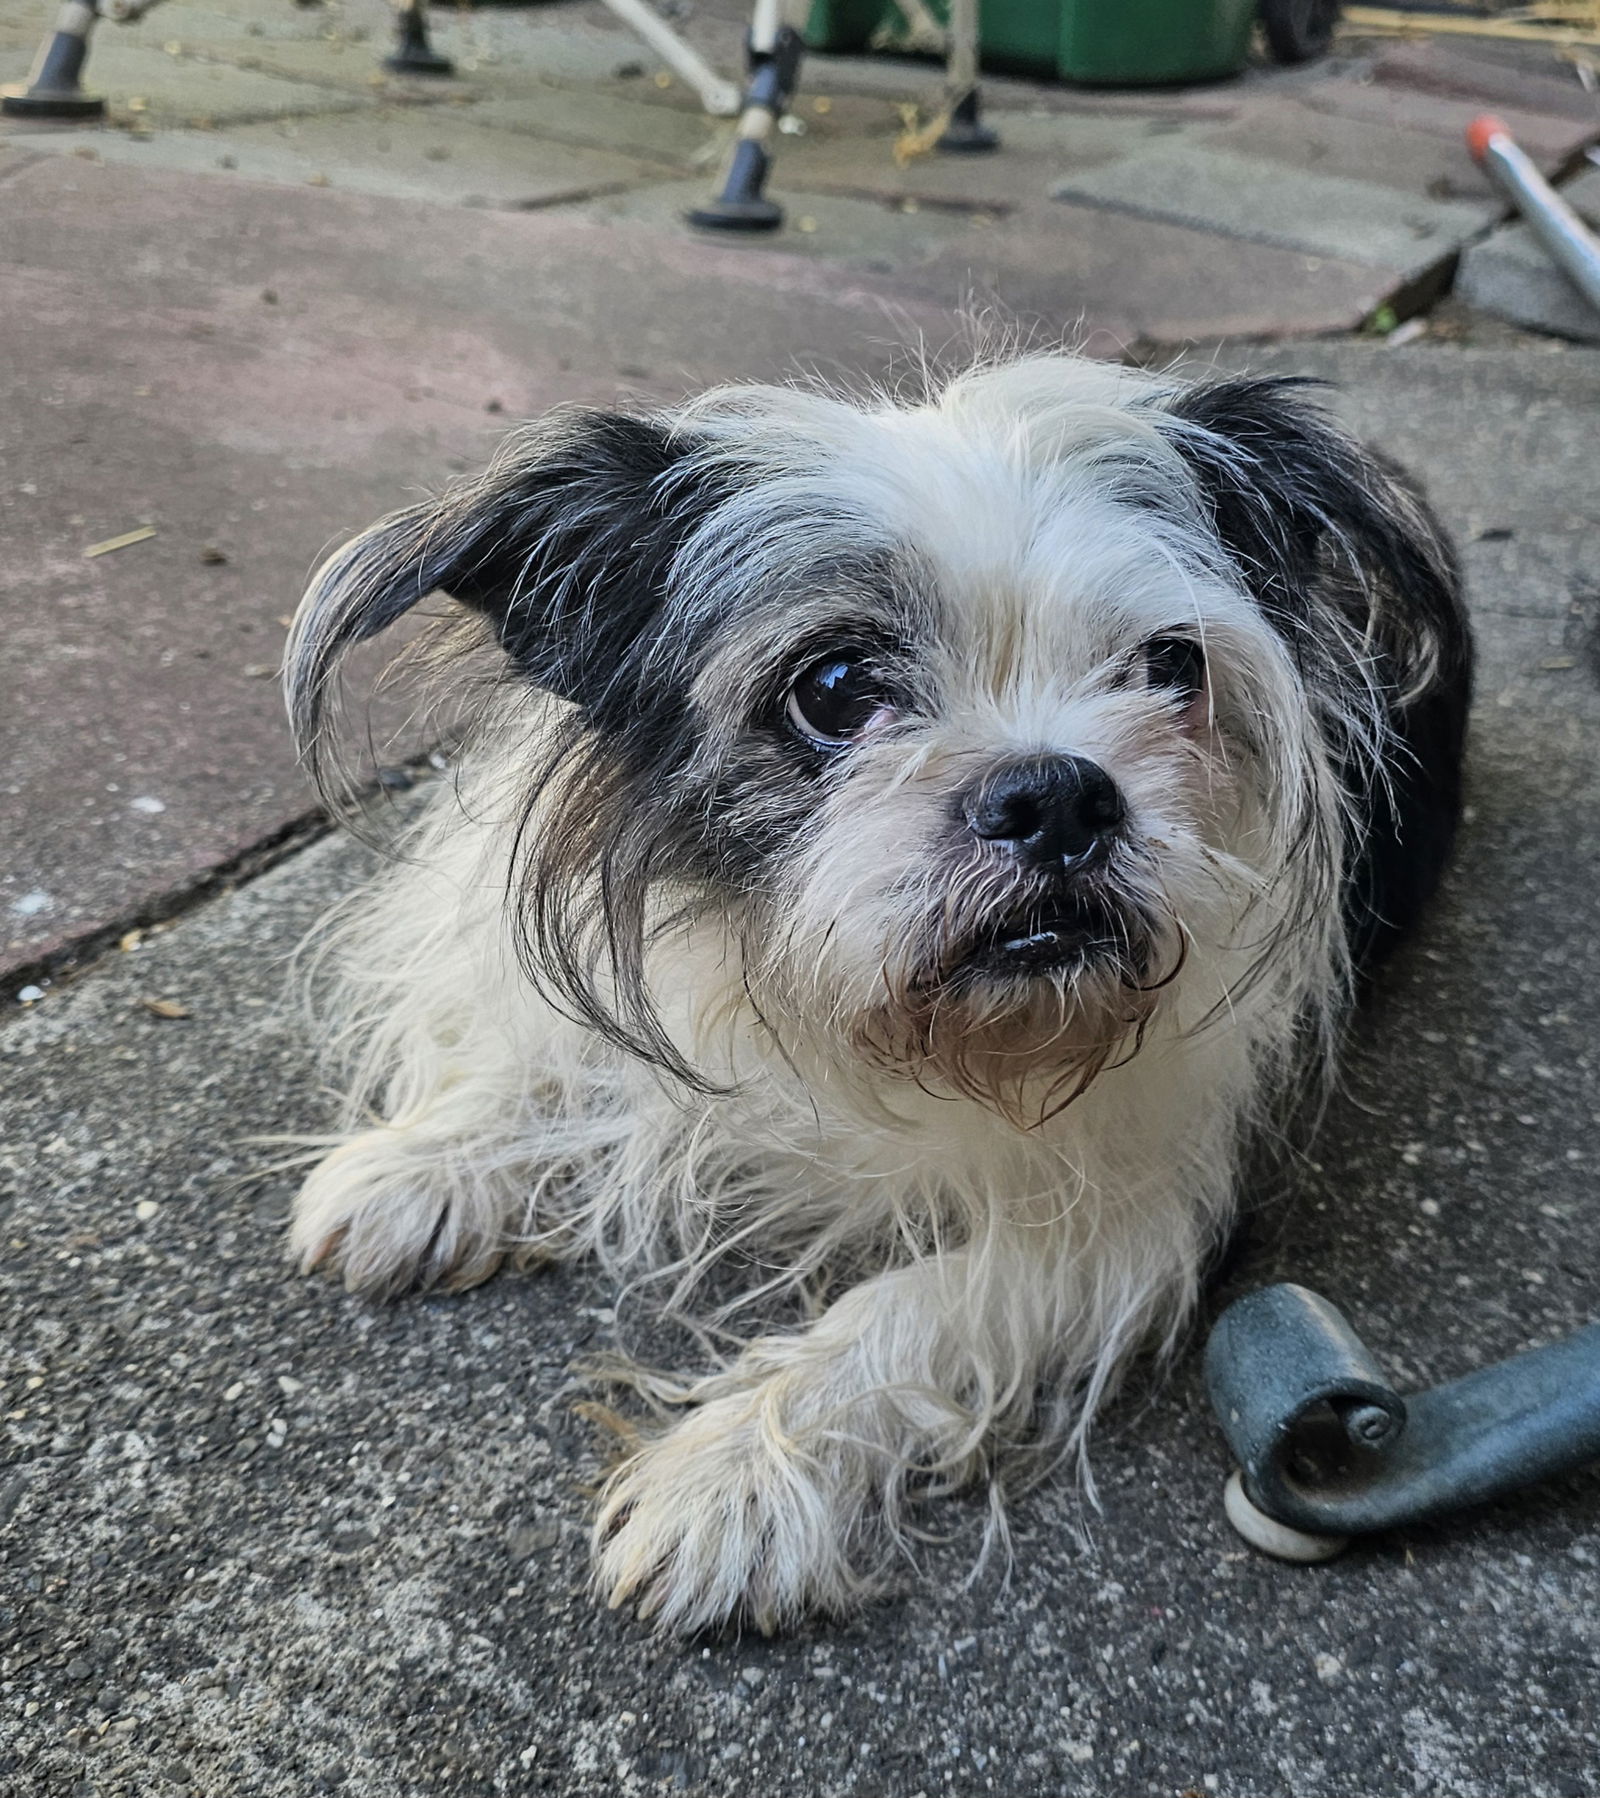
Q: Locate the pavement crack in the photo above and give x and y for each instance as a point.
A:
(77, 956)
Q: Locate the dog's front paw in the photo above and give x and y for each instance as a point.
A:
(390, 1218)
(721, 1520)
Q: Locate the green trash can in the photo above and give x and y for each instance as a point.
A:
(1109, 42)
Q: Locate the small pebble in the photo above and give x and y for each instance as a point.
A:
(534, 1538)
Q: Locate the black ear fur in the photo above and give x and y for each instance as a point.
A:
(1348, 562)
(565, 543)
(1292, 496)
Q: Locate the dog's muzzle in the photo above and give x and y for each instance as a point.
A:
(1056, 818)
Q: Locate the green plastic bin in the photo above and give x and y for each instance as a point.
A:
(1106, 42)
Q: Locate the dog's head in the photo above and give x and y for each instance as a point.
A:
(976, 720)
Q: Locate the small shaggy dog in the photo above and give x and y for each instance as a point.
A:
(910, 850)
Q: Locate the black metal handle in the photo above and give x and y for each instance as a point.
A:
(1328, 1447)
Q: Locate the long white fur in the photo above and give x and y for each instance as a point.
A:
(1003, 1272)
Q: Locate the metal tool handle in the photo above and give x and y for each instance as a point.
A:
(1327, 1447)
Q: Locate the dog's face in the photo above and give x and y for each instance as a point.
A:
(974, 720)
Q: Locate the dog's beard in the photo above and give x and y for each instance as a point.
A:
(1005, 988)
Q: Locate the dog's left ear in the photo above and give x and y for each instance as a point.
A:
(565, 544)
(1309, 517)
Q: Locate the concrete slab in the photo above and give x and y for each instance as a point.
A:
(1036, 153)
(1463, 70)
(1550, 140)
(383, 1592)
(1511, 275)
(412, 153)
(678, 137)
(1582, 193)
(1283, 207)
(1291, 134)
(146, 86)
(259, 369)
(1108, 284)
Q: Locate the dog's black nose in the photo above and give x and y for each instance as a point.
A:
(1053, 809)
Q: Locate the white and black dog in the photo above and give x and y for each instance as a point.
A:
(913, 845)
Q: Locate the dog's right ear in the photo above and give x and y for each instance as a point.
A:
(565, 543)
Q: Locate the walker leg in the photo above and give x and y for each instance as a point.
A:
(774, 63)
(413, 54)
(966, 132)
(54, 89)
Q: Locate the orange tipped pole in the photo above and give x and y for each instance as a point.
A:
(1571, 245)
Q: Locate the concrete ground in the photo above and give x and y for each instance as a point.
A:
(258, 1537)
(264, 1538)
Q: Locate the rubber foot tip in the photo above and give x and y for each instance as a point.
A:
(737, 215)
(1481, 131)
(419, 62)
(962, 139)
(52, 106)
(1270, 1536)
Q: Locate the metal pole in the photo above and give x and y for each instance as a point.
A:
(1571, 245)
(741, 203)
(1327, 1449)
(720, 98)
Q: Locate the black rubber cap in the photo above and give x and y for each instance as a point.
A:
(43, 104)
(737, 215)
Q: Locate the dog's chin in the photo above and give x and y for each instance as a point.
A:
(1024, 1011)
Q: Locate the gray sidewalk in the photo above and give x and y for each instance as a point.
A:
(262, 1538)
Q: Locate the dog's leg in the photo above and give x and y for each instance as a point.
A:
(436, 1198)
(467, 1098)
(776, 1495)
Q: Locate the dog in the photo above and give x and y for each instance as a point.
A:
(908, 851)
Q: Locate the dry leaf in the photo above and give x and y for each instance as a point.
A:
(166, 1008)
(129, 941)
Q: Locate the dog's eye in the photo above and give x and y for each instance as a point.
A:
(837, 700)
(1177, 664)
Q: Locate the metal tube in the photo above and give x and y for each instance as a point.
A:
(1571, 245)
(720, 98)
